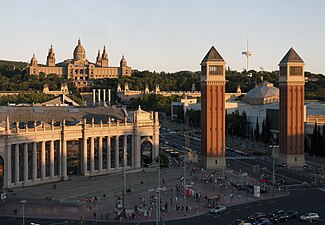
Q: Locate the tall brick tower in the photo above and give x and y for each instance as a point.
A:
(213, 138)
(292, 95)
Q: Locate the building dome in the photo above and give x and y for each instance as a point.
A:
(264, 93)
(79, 52)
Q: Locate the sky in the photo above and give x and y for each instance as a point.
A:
(166, 35)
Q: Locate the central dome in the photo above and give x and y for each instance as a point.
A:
(79, 52)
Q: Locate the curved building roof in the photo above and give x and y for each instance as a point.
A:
(264, 90)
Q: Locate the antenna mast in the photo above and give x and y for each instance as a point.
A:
(248, 54)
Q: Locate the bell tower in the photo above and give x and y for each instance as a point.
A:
(213, 80)
(291, 117)
(50, 60)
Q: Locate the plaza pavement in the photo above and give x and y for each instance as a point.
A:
(95, 198)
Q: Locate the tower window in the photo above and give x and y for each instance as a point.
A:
(215, 70)
(295, 70)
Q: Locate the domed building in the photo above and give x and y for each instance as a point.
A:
(264, 93)
(79, 68)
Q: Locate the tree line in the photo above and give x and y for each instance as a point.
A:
(317, 143)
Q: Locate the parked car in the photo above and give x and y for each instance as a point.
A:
(292, 214)
(276, 212)
(256, 216)
(262, 221)
(218, 209)
(279, 218)
(238, 222)
(309, 217)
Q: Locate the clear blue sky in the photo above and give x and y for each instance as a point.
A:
(166, 35)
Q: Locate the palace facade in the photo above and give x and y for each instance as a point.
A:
(79, 68)
(48, 144)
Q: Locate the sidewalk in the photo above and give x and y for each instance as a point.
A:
(95, 198)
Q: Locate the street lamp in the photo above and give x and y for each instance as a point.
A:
(23, 202)
(274, 156)
(124, 180)
(158, 209)
(184, 180)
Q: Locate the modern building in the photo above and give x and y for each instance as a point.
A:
(47, 144)
(213, 139)
(79, 68)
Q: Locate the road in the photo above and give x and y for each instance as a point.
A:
(295, 179)
(301, 201)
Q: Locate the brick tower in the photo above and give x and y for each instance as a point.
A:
(213, 81)
(291, 117)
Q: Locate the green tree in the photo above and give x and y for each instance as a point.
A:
(257, 131)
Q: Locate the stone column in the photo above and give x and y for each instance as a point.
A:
(109, 96)
(64, 159)
(34, 172)
(100, 153)
(94, 97)
(132, 152)
(108, 155)
(52, 159)
(125, 157)
(8, 165)
(84, 154)
(104, 97)
(92, 153)
(137, 149)
(25, 163)
(16, 164)
(43, 172)
(99, 101)
(117, 160)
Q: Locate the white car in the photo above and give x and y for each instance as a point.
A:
(218, 209)
(309, 217)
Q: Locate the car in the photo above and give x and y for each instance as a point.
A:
(276, 212)
(238, 222)
(292, 214)
(279, 218)
(309, 217)
(256, 216)
(218, 209)
(262, 221)
(282, 165)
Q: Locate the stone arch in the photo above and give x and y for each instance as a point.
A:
(146, 151)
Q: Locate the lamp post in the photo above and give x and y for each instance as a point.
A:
(23, 202)
(158, 209)
(274, 156)
(184, 181)
(124, 180)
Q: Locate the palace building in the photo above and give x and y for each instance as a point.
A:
(79, 68)
(47, 144)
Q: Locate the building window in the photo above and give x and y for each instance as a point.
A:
(215, 70)
(296, 70)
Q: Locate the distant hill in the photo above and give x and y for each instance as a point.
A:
(12, 64)
(16, 80)
(11, 68)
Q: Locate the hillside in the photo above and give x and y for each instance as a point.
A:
(13, 78)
